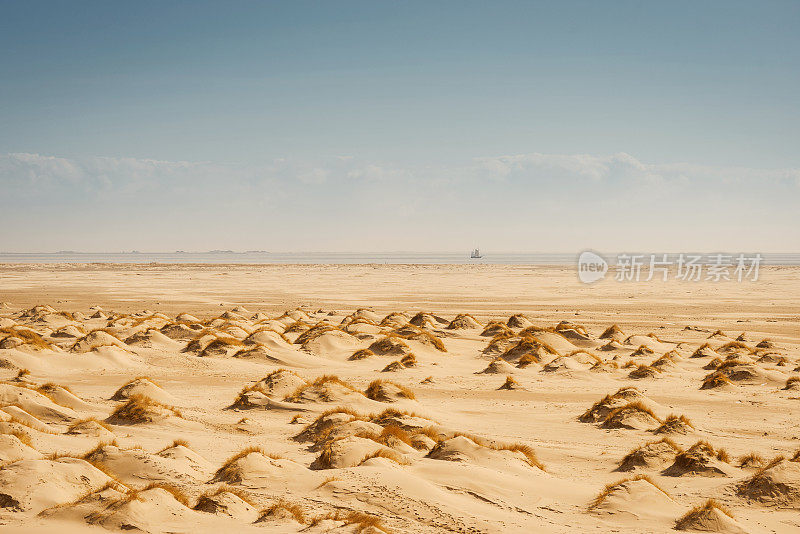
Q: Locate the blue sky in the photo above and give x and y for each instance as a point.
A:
(374, 126)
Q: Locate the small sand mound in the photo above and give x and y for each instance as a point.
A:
(255, 463)
(393, 367)
(69, 332)
(675, 424)
(345, 429)
(180, 332)
(330, 342)
(634, 416)
(151, 338)
(600, 409)
(518, 321)
(499, 366)
(228, 502)
(426, 319)
(35, 403)
(704, 351)
(716, 381)
(765, 344)
(361, 354)
(15, 447)
(652, 455)
(700, 459)
(494, 328)
(612, 332)
(96, 339)
(644, 371)
(349, 452)
(221, 346)
(283, 511)
(426, 338)
(739, 371)
(710, 517)
(154, 509)
(386, 391)
(91, 427)
(611, 346)
(325, 422)
(390, 346)
(174, 463)
(280, 383)
(638, 497)
(267, 337)
(464, 449)
(777, 483)
(30, 486)
(315, 331)
(510, 384)
(140, 409)
(464, 321)
(18, 337)
(792, 383)
(143, 386)
(407, 421)
(394, 320)
(327, 388)
(528, 345)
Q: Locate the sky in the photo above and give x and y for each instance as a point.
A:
(400, 126)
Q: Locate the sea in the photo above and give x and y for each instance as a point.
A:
(261, 257)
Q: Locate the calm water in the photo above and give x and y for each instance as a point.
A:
(328, 257)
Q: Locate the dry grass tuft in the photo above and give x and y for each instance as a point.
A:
(792, 382)
(699, 352)
(176, 443)
(28, 337)
(674, 423)
(361, 521)
(510, 383)
(528, 359)
(140, 409)
(377, 392)
(644, 371)
(296, 395)
(752, 459)
(716, 380)
(389, 454)
(282, 506)
(205, 501)
(637, 406)
(361, 354)
(733, 346)
(611, 331)
(327, 481)
(526, 450)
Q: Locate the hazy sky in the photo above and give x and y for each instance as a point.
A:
(378, 126)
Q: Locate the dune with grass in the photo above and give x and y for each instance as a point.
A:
(488, 399)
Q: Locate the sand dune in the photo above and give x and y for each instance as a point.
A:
(232, 419)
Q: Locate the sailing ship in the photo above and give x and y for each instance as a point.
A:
(476, 254)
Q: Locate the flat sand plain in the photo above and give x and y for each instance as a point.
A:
(466, 398)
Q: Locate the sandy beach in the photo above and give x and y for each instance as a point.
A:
(395, 398)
